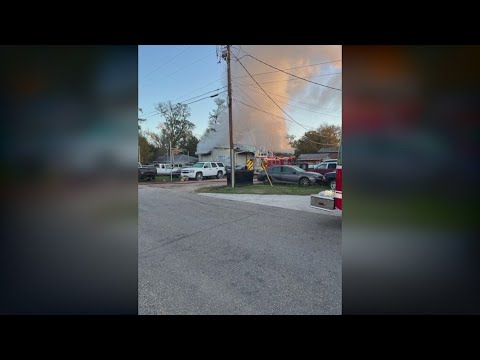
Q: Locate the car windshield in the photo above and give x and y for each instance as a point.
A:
(198, 165)
(298, 169)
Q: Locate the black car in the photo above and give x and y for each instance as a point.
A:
(331, 179)
(147, 172)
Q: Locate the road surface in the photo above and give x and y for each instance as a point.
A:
(203, 255)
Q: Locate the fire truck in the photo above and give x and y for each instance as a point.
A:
(331, 200)
(271, 160)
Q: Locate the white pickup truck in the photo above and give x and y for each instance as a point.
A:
(163, 169)
(202, 170)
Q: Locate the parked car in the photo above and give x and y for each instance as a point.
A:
(177, 170)
(331, 179)
(163, 169)
(204, 169)
(146, 172)
(325, 167)
(289, 174)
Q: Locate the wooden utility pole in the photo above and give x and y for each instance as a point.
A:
(230, 119)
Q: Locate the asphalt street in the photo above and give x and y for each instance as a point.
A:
(204, 255)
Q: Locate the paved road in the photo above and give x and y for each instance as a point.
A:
(294, 202)
(202, 255)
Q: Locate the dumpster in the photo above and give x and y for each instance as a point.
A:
(242, 177)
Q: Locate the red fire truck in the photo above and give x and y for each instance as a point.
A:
(273, 160)
(330, 200)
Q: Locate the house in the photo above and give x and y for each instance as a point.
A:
(329, 152)
(222, 154)
(311, 159)
(318, 157)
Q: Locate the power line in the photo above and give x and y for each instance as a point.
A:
(296, 101)
(307, 77)
(298, 77)
(208, 92)
(266, 112)
(223, 87)
(192, 102)
(178, 70)
(266, 93)
(272, 99)
(168, 61)
(207, 97)
(288, 103)
(174, 100)
(204, 86)
(292, 68)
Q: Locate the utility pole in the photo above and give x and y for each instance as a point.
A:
(171, 164)
(230, 120)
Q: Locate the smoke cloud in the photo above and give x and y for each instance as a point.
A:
(269, 131)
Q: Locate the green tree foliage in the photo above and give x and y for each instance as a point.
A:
(312, 141)
(147, 150)
(192, 145)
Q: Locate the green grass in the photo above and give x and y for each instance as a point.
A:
(165, 178)
(277, 189)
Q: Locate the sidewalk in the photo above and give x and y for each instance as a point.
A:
(293, 202)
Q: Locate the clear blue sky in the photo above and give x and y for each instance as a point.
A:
(168, 72)
(180, 72)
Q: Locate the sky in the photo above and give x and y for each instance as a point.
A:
(181, 72)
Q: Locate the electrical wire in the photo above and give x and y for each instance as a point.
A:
(168, 61)
(313, 141)
(266, 112)
(288, 103)
(178, 70)
(292, 68)
(204, 86)
(307, 77)
(192, 102)
(298, 77)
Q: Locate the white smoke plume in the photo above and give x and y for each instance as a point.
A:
(256, 128)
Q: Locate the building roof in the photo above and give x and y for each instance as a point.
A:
(183, 159)
(327, 150)
(311, 157)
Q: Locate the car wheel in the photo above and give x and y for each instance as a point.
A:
(304, 181)
(199, 176)
(219, 175)
(332, 184)
(266, 182)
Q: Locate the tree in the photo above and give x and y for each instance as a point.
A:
(147, 150)
(312, 141)
(215, 117)
(191, 145)
(176, 127)
(291, 140)
(156, 140)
